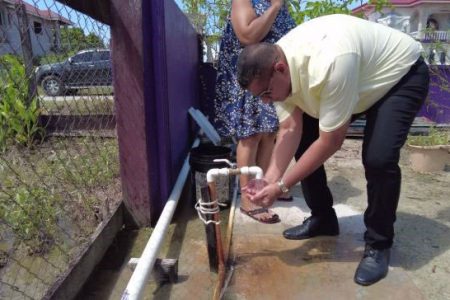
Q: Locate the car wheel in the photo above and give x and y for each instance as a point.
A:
(52, 86)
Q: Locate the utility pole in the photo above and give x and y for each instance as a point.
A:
(27, 50)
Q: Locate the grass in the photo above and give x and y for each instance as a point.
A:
(62, 180)
(95, 90)
(52, 199)
(88, 101)
(89, 105)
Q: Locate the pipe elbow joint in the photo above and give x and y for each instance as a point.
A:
(254, 170)
(213, 173)
(257, 171)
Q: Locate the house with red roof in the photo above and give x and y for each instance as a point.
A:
(43, 27)
(426, 20)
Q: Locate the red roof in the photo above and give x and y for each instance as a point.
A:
(45, 14)
(394, 2)
(400, 3)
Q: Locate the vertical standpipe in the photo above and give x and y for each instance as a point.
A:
(211, 177)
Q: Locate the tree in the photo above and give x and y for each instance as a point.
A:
(310, 9)
(94, 41)
(74, 40)
(209, 16)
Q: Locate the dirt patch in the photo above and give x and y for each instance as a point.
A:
(422, 242)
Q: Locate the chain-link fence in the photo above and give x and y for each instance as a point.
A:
(59, 177)
(59, 169)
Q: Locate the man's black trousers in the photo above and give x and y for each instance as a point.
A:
(387, 126)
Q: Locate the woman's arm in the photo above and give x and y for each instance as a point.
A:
(250, 28)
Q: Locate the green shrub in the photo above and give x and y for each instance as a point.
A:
(19, 121)
(434, 137)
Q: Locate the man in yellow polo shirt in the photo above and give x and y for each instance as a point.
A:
(321, 75)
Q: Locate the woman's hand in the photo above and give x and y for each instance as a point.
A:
(262, 193)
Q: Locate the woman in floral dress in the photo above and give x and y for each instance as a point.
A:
(238, 114)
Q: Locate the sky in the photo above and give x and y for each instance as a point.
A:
(80, 20)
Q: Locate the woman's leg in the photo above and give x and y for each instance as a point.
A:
(246, 154)
(264, 154)
(264, 150)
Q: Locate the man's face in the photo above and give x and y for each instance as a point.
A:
(273, 88)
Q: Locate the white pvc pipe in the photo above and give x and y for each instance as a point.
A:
(257, 171)
(146, 262)
(213, 173)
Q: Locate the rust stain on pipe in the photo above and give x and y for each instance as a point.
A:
(220, 252)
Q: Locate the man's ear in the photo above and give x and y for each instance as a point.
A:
(280, 66)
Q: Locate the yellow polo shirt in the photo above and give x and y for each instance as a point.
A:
(341, 65)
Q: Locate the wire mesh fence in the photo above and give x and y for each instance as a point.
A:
(59, 169)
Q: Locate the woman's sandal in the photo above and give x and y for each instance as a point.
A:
(252, 214)
(286, 199)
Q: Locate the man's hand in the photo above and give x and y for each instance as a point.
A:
(262, 193)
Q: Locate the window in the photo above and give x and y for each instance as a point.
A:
(82, 57)
(3, 27)
(104, 55)
(37, 27)
(2, 18)
(101, 55)
(432, 24)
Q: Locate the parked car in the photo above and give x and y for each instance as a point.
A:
(87, 68)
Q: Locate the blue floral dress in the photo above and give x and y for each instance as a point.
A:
(237, 113)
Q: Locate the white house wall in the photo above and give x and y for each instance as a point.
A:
(41, 43)
(11, 30)
(419, 15)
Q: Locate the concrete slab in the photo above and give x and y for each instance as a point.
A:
(267, 266)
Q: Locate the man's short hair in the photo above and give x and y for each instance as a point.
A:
(255, 61)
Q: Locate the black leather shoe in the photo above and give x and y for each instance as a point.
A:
(313, 226)
(373, 266)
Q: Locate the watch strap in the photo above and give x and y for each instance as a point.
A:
(282, 186)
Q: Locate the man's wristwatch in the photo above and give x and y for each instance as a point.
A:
(282, 186)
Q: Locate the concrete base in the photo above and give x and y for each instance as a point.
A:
(267, 266)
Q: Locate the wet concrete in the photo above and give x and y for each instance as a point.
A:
(267, 266)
